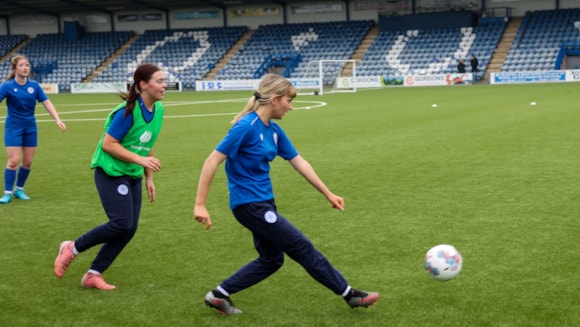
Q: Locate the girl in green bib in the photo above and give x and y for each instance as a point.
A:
(123, 155)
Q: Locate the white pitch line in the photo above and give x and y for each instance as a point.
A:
(317, 104)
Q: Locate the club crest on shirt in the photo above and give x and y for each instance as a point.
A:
(30, 90)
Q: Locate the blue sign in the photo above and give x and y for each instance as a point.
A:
(530, 77)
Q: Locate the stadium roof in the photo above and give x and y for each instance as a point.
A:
(58, 7)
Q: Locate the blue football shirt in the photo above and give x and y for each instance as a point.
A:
(21, 101)
(250, 145)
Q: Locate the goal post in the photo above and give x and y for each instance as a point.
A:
(328, 76)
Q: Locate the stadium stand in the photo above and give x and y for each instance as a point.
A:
(9, 42)
(302, 42)
(430, 51)
(540, 38)
(57, 60)
(186, 55)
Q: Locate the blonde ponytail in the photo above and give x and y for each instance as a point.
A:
(271, 86)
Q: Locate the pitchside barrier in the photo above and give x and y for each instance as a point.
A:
(348, 83)
(535, 77)
(113, 87)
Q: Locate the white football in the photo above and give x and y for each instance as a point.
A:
(443, 262)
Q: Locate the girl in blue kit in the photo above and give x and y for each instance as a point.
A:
(252, 142)
(124, 154)
(20, 132)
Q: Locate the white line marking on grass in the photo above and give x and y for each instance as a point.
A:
(304, 105)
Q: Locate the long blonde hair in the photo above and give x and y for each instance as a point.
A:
(271, 86)
(13, 62)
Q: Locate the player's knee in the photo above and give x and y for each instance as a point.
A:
(274, 263)
(123, 227)
(26, 164)
(278, 261)
(12, 164)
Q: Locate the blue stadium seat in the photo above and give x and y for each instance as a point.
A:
(540, 36)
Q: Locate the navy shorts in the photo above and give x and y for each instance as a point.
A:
(21, 136)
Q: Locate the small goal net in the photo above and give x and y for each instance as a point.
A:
(328, 76)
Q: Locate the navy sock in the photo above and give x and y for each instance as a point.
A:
(22, 177)
(9, 178)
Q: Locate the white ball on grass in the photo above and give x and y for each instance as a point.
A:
(443, 262)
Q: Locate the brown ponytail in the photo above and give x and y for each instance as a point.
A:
(143, 73)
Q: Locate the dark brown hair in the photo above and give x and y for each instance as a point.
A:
(144, 72)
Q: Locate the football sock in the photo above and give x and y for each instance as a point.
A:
(22, 176)
(9, 178)
(346, 292)
(222, 291)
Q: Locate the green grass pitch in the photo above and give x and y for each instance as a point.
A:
(484, 171)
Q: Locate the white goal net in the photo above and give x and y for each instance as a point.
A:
(328, 76)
